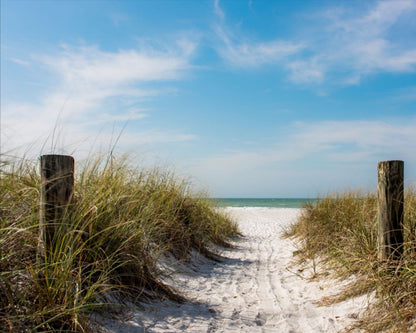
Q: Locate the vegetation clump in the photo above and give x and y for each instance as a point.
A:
(342, 230)
(106, 248)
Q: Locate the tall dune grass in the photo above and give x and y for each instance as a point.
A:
(342, 229)
(106, 248)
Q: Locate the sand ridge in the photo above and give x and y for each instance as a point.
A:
(257, 288)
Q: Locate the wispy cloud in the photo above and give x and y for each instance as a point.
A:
(240, 51)
(371, 138)
(244, 53)
(20, 61)
(96, 88)
(306, 71)
(118, 18)
(91, 66)
(218, 11)
(342, 145)
(132, 114)
(338, 45)
(364, 42)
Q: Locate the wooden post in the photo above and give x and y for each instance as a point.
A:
(390, 209)
(57, 187)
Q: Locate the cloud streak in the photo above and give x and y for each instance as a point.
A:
(96, 90)
(242, 54)
(218, 11)
(343, 145)
(365, 43)
(339, 46)
(91, 66)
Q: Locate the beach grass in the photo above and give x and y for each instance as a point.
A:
(341, 230)
(121, 222)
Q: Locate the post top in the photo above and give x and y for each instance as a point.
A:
(56, 156)
(391, 161)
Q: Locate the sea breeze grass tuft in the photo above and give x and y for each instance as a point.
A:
(121, 220)
(342, 229)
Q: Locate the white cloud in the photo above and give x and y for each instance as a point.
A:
(348, 151)
(348, 45)
(218, 11)
(20, 61)
(132, 114)
(377, 20)
(351, 139)
(91, 66)
(339, 45)
(374, 138)
(243, 53)
(95, 91)
(306, 71)
(239, 51)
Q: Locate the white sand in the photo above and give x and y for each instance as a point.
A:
(257, 288)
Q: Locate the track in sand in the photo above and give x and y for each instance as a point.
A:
(257, 288)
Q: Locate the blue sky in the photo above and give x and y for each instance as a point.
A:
(248, 98)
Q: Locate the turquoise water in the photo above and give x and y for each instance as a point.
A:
(263, 202)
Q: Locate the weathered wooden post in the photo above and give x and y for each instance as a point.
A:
(57, 188)
(390, 209)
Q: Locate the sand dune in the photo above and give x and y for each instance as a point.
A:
(257, 288)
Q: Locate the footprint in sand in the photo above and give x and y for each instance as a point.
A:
(260, 319)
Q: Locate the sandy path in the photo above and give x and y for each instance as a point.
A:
(255, 289)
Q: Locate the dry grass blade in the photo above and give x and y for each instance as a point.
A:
(343, 229)
(107, 245)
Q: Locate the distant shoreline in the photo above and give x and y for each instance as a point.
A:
(263, 202)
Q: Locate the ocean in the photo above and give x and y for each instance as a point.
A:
(263, 202)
